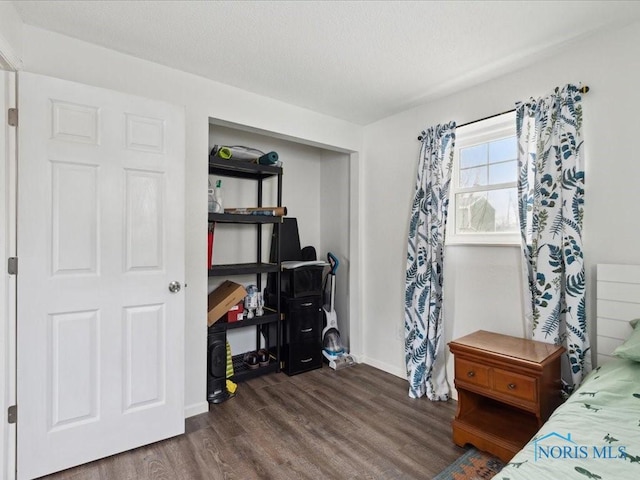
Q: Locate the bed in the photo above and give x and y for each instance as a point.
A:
(595, 434)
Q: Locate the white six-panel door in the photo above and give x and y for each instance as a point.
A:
(100, 237)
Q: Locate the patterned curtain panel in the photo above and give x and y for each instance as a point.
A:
(551, 201)
(423, 291)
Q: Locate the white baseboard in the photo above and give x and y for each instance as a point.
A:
(196, 409)
(385, 367)
(454, 394)
(397, 371)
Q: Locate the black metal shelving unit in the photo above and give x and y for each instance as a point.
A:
(238, 218)
(272, 315)
(242, 269)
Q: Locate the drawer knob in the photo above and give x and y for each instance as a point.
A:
(306, 330)
(471, 374)
(511, 386)
(306, 360)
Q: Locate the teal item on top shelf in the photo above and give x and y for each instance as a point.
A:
(270, 158)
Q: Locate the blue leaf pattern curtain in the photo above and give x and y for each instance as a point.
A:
(423, 289)
(551, 201)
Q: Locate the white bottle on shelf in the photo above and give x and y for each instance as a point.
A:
(212, 199)
(217, 198)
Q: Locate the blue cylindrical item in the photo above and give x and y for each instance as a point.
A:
(270, 158)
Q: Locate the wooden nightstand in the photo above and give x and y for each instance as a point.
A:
(507, 388)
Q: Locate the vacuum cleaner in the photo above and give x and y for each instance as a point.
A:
(332, 347)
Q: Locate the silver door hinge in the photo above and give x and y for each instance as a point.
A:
(12, 265)
(12, 117)
(12, 414)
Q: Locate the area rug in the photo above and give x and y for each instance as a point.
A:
(472, 465)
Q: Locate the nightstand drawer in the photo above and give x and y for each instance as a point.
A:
(515, 385)
(470, 372)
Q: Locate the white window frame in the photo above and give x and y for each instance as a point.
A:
(484, 131)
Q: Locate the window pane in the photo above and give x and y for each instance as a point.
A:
(502, 150)
(503, 172)
(470, 213)
(484, 212)
(470, 177)
(505, 202)
(473, 156)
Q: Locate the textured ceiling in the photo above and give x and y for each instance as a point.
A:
(360, 61)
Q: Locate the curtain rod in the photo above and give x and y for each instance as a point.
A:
(583, 90)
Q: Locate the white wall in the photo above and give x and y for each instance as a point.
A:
(483, 288)
(10, 34)
(334, 221)
(59, 56)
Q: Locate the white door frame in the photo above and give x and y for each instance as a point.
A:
(9, 62)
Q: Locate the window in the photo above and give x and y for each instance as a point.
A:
(483, 206)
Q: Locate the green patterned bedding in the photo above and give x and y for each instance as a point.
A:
(594, 435)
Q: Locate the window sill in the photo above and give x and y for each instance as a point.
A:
(496, 240)
(480, 244)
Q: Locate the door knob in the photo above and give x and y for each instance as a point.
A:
(174, 287)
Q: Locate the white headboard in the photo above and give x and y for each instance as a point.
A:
(618, 301)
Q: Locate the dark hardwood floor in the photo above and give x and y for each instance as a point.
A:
(357, 423)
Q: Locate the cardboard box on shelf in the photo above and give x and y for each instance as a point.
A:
(227, 295)
(236, 312)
